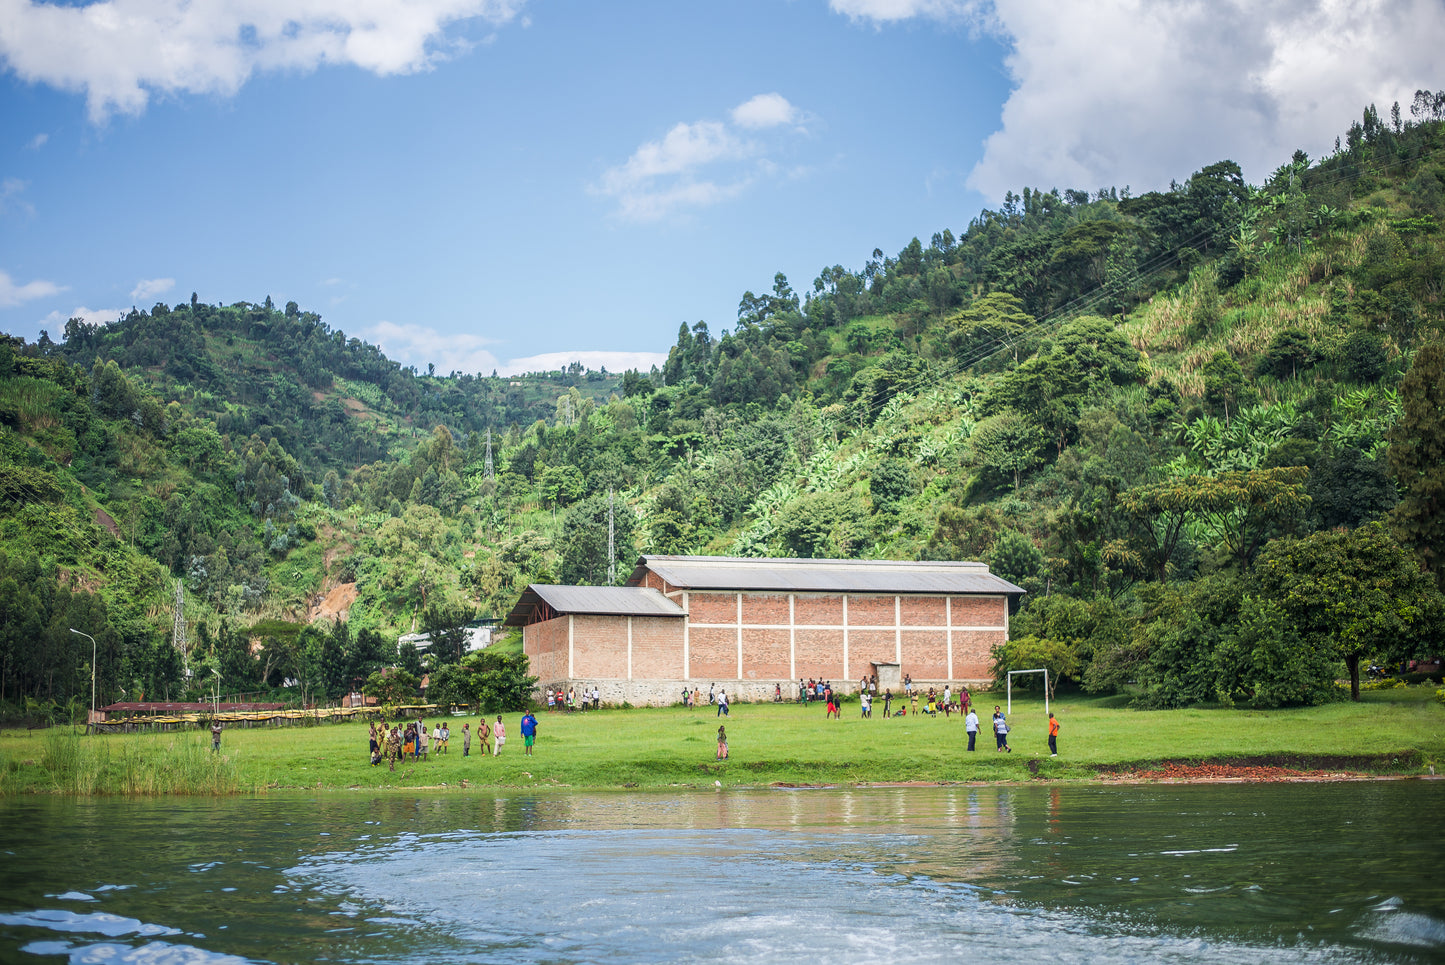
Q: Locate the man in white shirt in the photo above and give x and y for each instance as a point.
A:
(970, 724)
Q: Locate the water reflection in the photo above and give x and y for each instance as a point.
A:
(1292, 873)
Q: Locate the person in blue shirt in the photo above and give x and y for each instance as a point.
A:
(529, 732)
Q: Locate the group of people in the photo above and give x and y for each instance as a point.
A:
(558, 699)
(411, 741)
(692, 699)
(1001, 730)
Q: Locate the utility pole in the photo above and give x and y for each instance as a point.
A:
(178, 625)
(92, 673)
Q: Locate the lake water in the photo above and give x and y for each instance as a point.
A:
(1207, 873)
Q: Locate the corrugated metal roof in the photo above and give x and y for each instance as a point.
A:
(628, 601)
(805, 576)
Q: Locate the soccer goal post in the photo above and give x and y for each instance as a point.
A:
(1042, 670)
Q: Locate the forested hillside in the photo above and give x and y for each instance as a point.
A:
(1203, 427)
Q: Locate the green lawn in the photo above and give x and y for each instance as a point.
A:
(1403, 729)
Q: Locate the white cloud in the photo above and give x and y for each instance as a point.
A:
(418, 345)
(698, 164)
(764, 110)
(120, 52)
(889, 11)
(1139, 92)
(12, 197)
(38, 141)
(55, 321)
(148, 288)
(12, 294)
(611, 361)
(1119, 92)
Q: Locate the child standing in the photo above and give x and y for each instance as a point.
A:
(722, 742)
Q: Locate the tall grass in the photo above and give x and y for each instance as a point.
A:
(1404, 729)
(132, 764)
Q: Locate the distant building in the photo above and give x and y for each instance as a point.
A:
(750, 624)
(478, 637)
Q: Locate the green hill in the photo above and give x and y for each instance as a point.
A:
(1138, 408)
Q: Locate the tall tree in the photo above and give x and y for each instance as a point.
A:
(1357, 591)
(1417, 460)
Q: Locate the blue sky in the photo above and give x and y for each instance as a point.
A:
(513, 184)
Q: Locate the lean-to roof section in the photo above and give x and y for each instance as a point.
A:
(541, 601)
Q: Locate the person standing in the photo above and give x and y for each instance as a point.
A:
(1053, 735)
(529, 732)
(499, 736)
(722, 742)
(722, 703)
(710, 698)
(866, 700)
(913, 701)
(393, 746)
(887, 702)
(970, 724)
(947, 700)
(1000, 730)
(484, 734)
(467, 739)
(420, 741)
(215, 734)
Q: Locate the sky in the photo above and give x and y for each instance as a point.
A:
(513, 185)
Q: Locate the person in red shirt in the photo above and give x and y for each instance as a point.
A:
(1053, 735)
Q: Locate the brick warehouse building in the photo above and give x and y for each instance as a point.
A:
(748, 624)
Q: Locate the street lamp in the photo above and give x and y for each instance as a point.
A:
(92, 673)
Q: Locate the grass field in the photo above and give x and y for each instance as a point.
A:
(1401, 731)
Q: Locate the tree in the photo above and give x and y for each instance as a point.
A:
(1015, 558)
(1288, 352)
(395, 686)
(890, 483)
(489, 679)
(584, 540)
(994, 322)
(1241, 509)
(1274, 666)
(1007, 443)
(446, 626)
(1059, 657)
(1158, 513)
(1357, 591)
(1417, 460)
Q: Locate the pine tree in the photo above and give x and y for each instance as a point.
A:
(1417, 460)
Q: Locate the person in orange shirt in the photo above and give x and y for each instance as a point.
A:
(1053, 735)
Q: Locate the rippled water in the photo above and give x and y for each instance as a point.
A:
(1266, 873)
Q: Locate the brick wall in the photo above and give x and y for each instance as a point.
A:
(774, 650)
(545, 645)
(599, 646)
(657, 648)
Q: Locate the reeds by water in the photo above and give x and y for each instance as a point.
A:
(85, 766)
